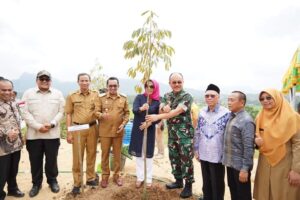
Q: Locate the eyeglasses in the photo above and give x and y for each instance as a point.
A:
(266, 98)
(113, 86)
(176, 82)
(210, 95)
(150, 86)
(44, 79)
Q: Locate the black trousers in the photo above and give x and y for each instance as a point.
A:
(36, 150)
(238, 190)
(213, 180)
(9, 166)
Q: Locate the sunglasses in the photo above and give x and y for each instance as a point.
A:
(266, 98)
(150, 86)
(176, 82)
(44, 79)
(113, 86)
(210, 95)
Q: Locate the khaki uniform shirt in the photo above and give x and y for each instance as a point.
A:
(117, 108)
(81, 106)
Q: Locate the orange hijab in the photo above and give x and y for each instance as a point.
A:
(279, 124)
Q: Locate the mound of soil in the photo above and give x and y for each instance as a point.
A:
(127, 192)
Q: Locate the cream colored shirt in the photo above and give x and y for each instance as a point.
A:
(42, 108)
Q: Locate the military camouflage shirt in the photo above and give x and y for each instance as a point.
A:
(179, 127)
(9, 119)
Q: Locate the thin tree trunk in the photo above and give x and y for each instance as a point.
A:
(146, 129)
(80, 162)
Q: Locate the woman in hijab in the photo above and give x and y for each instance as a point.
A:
(278, 138)
(140, 105)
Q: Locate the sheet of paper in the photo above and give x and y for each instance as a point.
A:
(78, 127)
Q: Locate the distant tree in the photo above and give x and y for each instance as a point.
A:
(148, 46)
(63, 128)
(98, 79)
(252, 110)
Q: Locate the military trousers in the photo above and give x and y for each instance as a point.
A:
(181, 158)
(88, 143)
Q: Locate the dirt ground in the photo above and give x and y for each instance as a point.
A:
(128, 191)
(161, 174)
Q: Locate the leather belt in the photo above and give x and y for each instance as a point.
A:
(92, 123)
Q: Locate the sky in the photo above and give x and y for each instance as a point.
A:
(236, 44)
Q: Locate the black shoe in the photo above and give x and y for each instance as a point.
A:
(177, 184)
(54, 187)
(76, 190)
(17, 193)
(187, 191)
(34, 190)
(93, 183)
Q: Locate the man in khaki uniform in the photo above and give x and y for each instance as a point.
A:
(80, 106)
(113, 114)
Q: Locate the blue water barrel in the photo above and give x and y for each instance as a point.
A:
(127, 134)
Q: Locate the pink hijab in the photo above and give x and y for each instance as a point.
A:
(155, 94)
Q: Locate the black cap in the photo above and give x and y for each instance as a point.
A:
(213, 87)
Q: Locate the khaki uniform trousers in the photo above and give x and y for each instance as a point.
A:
(88, 140)
(106, 144)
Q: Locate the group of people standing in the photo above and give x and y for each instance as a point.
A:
(42, 108)
(105, 116)
(221, 138)
(224, 139)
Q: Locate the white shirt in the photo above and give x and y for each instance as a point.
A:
(42, 107)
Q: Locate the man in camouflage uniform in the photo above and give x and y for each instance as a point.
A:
(113, 114)
(176, 107)
(80, 106)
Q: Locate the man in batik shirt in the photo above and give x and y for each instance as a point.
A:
(208, 144)
(176, 108)
(10, 141)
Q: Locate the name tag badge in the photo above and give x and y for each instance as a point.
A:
(78, 127)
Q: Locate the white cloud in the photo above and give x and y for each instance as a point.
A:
(230, 43)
